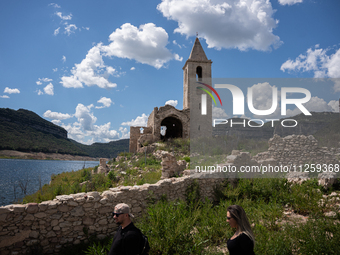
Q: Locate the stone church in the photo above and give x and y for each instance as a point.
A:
(168, 122)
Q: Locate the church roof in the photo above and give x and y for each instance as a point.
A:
(197, 52)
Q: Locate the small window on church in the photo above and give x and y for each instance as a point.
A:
(199, 127)
(199, 73)
(199, 106)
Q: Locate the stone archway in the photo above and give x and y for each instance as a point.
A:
(174, 128)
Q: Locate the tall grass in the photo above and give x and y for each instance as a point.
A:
(194, 226)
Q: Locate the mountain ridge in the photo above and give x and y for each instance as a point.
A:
(25, 131)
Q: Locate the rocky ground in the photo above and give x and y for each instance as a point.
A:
(42, 156)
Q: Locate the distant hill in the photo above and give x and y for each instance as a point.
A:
(25, 131)
(106, 150)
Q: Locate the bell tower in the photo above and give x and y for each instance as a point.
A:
(197, 70)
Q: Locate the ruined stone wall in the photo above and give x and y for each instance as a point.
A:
(135, 134)
(158, 115)
(296, 150)
(66, 219)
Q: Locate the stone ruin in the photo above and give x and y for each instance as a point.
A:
(289, 151)
(171, 167)
(103, 168)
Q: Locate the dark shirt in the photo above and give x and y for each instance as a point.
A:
(241, 245)
(126, 241)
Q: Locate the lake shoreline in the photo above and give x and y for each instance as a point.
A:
(11, 154)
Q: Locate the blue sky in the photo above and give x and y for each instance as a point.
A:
(97, 67)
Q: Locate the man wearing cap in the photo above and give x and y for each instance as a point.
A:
(127, 240)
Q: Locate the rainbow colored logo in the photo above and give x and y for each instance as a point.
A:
(209, 93)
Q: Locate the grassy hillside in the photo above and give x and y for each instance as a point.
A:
(105, 150)
(25, 131)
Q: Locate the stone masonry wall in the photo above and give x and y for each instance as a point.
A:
(66, 219)
(296, 150)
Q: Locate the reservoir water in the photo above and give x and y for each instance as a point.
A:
(24, 172)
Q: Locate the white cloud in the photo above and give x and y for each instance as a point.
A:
(242, 24)
(289, 2)
(139, 121)
(56, 31)
(84, 129)
(125, 133)
(105, 101)
(11, 91)
(57, 115)
(172, 102)
(60, 15)
(132, 68)
(63, 59)
(4, 96)
(334, 104)
(91, 71)
(69, 29)
(146, 44)
(43, 80)
(55, 70)
(317, 61)
(49, 89)
(174, 42)
(54, 5)
(85, 117)
(315, 104)
(40, 92)
(101, 133)
(218, 113)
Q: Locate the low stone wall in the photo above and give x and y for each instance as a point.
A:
(70, 219)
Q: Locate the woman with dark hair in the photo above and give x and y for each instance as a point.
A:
(243, 241)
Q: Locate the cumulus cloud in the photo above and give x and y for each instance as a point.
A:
(63, 59)
(39, 92)
(99, 133)
(139, 121)
(172, 102)
(105, 101)
(334, 104)
(225, 23)
(289, 2)
(218, 113)
(11, 91)
(125, 133)
(57, 115)
(49, 89)
(90, 72)
(318, 61)
(145, 44)
(315, 104)
(85, 117)
(132, 68)
(4, 96)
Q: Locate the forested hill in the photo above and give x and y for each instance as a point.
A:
(24, 130)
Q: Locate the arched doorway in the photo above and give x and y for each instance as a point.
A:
(172, 128)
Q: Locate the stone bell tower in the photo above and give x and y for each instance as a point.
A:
(197, 69)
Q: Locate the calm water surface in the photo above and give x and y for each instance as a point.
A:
(14, 172)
